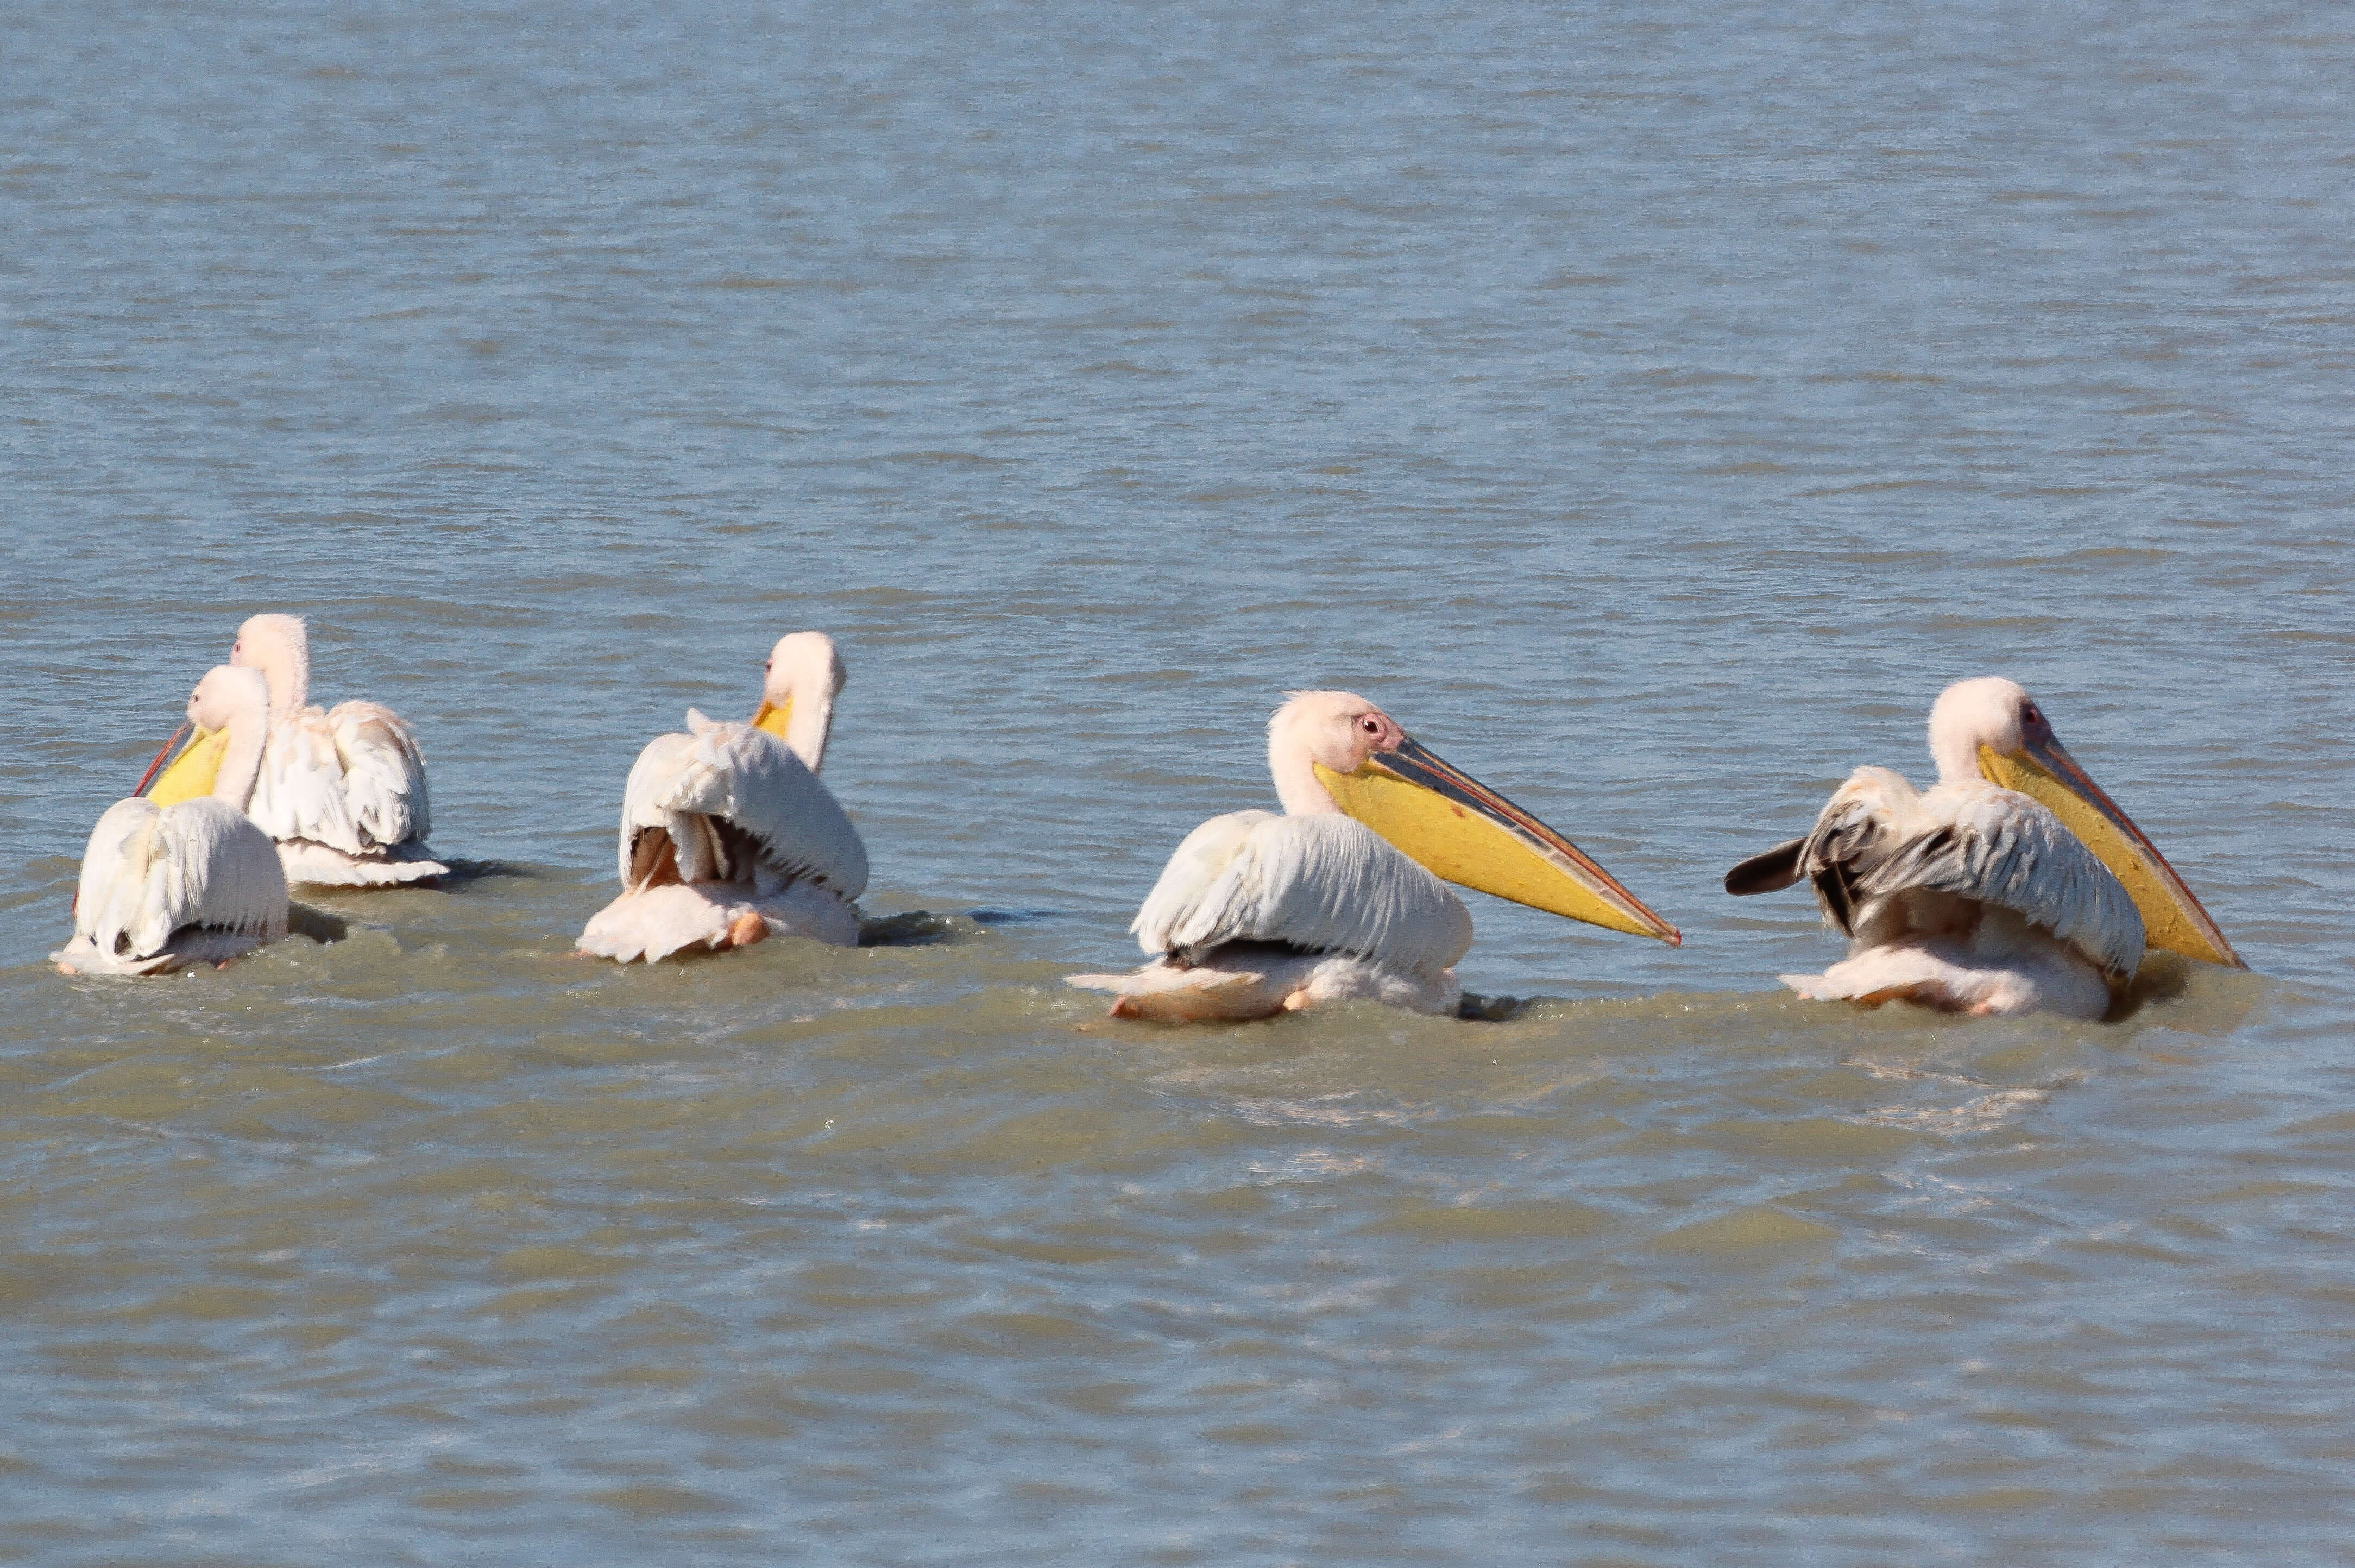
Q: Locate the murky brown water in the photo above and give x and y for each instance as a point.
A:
(1652, 409)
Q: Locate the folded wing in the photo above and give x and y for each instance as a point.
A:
(1321, 883)
(384, 773)
(352, 778)
(729, 803)
(300, 792)
(1877, 838)
(149, 872)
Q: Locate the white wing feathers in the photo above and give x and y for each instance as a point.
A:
(744, 778)
(384, 772)
(352, 778)
(1177, 899)
(150, 871)
(1322, 883)
(665, 773)
(300, 791)
(1878, 837)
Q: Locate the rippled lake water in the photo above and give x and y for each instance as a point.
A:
(1652, 407)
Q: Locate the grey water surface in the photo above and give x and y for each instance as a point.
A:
(1651, 406)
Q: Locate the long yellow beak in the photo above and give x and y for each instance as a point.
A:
(771, 717)
(2171, 917)
(1463, 832)
(192, 773)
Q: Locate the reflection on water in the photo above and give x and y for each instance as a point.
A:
(1652, 411)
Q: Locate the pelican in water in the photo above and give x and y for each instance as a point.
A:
(182, 876)
(342, 789)
(2014, 885)
(727, 835)
(1341, 896)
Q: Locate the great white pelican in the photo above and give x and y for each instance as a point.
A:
(1342, 897)
(727, 835)
(182, 876)
(342, 790)
(2015, 885)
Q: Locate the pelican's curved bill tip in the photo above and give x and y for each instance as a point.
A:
(1463, 832)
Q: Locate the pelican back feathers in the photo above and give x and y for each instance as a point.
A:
(152, 870)
(1877, 838)
(299, 794)
(735, 804)
(1322, 883)
(352, 778)
(384, 773)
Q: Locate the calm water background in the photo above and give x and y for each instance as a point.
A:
(1653, 407)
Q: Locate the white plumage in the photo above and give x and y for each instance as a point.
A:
(196, 881)
(163, 887)
(1965, 897)
(1258, 913)
(719, 775)
(1326, 883)
(1977, 841)
(1921, 880)
(729, 835)
(342, 790)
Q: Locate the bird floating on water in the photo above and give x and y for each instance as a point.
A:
(2015, 885)
(342, 790)
(182, 876)
(1342, 897)
(727, 835)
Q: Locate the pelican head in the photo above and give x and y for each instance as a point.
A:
(803, 676)
(1992, 729)
(280, 647)
(227, 713)
(1335, 731)
(1334, 750)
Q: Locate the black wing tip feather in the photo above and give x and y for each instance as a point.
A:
(1768, 873)
(1835, 891)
